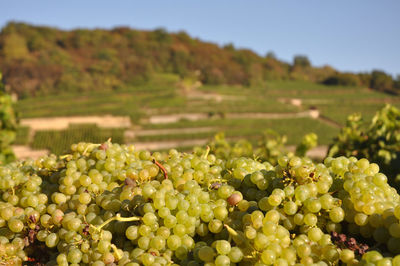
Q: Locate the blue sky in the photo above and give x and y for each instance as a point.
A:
(355, 35)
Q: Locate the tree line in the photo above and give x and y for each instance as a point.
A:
(39, 60)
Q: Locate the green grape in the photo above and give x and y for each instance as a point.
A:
(396, 260)
(303, 251)
(315, 234)
(181, 217)
(62, 259)
(250, 232)
(179, 230)
(85, 198)
(272, 216)
(132, 232)
(336, 214)
(174, 242)
(74, 255)
(157, 243)
(223, 247)
(74, 224)
(222, 260)
(215, 226)
(15, 225)
(52, 240)
(298, 218)
(144, 242)
(346, 255)
(269, 228)
(384, 262)
(290, 207)
(260, 241)
(170, 221)
(314, 205)
(274, 200)
(220, 213)
(7, 213)
(149, 218)
(330, 253)
(372, 256)
(206, 254)
(310, 219)
(361, 219)
(268, 256)
(235, 255)
(326, 201)
(103, 246)
(148, 259)
(164, 232)
(301, 193)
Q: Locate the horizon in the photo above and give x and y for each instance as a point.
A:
(346, 41)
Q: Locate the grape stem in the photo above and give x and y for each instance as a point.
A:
(116, 252)
(116, 218)
(234, 233)
(162, 168)
(92, 145)
(206, 152)
(66, 156)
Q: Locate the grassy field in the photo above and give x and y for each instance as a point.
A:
(162, 97)
(253, 128)
(22, 137)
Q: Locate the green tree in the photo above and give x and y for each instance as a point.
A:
(301, 61)
(381, 81)
(344, 79)
(15, 47)
(396, 83)
(270, 55)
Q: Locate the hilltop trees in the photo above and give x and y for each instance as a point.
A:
(37, 60)
(381, 81)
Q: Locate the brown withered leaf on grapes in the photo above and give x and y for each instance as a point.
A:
(130, 182)
(103, 146)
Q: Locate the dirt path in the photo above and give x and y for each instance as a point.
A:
(173, 118)
(160, 145)
(329, 121)
(168, 131)
(308, 113)
(24, 152)
(194, 95)
(318, 152)
(59, 123)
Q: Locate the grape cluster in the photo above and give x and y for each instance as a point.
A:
(109, 204)
(371, 205)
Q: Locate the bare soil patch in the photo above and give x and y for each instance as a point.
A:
(25, 152)
(173, 118)
(60, 123)
(168, 131)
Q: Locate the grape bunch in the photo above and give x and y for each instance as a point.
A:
(109, 204)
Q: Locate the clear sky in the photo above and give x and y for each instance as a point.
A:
(350, 35)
